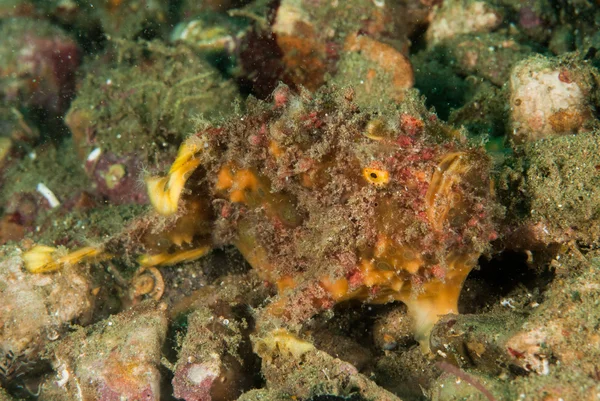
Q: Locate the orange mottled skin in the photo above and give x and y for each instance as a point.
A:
(331, 203)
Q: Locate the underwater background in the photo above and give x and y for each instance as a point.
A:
(300, 200)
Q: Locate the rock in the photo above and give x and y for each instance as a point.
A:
(295, 367)
(457, 17)
(393, 329)
(116, 359)
(551, 97)
(560, 196)
(310, 52)
(487, 55)
(212, 363)
(475, 341)
(407, 374)
(129, 110)
(37, 309)
(38, 66)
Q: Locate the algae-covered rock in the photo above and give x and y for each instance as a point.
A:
(490, 56)
(378, 73)
(373, 34)
(485, 112)
(130, 111)
(38, 65)
(477, 342)
(211, 363)
(409, 374)
(455, 385)
(563, 384)
(561, 333)
(553, 191)
(559, 343)
(294, 367)
(118, 358)
(309, 51)
(545, 351)
(146, 99)
(130, 19)
(47, 195)
(49, 179)
(457, 72)
(36, 309)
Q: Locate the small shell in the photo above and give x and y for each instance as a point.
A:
(148, 281)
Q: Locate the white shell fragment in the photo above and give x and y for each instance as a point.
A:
(94, 154)
(48, 194)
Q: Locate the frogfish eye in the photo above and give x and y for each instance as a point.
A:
(376, 176)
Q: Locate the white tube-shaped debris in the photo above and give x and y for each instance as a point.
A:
(48, 194)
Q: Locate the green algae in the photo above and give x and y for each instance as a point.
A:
(147, 100)
(56, 166)
(555, 182)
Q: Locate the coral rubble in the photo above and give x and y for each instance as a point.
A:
(117, 359)
(299, 199)
(37, 309)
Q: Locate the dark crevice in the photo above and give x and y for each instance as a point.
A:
(417, 39)
(504, 274)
